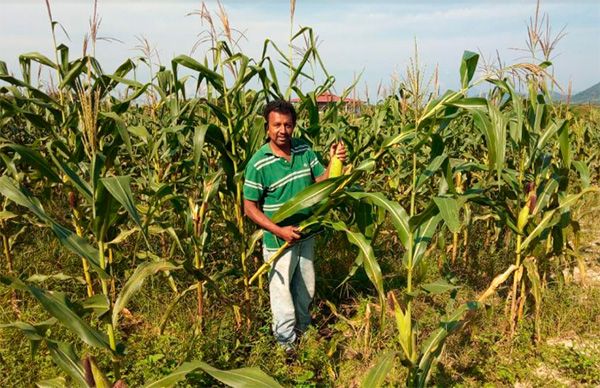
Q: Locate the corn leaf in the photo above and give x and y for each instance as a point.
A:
(543, 198)
(423, 235)
(395, 210)
(35, 92)
(39, 58)
(119, 188)
(204, 72)
(548, 220)
(253, 240)
(171, 306)
(123, 235)
(483, 123)
(57, 382)
(99, 304)
(73, 73)
(433, 345)
(584, 173)
(430, 170)
(81, 185)
(6, 215)
(449, 209)
(198, 143)
(571, 199)
(435, 106)
(438, 287)
(135, 282)
(468, 64)
(539, 228)
(35, 333)
(554, 127)
(256, 136)
(121, 129)
(64, 356)
(377, 374)
(418, 219)
(242, 378)
(139, 131)
(39, 278)
(470, 103)
(404, 326)
(536, 290)
(36, 161)
(58, 306)
(307, 198)
(369, 261)
(564, 144)
(100, 380)
(70, 240)
(499, 124)
(401, 137)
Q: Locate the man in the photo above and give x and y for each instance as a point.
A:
(280, 169)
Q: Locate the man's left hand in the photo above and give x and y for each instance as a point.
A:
(339, 150)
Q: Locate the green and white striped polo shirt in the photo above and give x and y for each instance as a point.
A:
(271, 180)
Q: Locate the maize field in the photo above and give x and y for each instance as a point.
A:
(456, 223)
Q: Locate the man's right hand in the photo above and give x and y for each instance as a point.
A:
(290, 234)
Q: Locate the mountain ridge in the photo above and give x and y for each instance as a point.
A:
(589, 95)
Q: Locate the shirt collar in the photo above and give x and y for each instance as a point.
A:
(266, 148)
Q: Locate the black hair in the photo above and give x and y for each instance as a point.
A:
(279, 106)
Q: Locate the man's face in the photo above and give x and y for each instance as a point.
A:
(279, 129)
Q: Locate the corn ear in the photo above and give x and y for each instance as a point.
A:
(523, 218)
(335, 170)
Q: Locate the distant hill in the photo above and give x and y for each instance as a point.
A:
(557, 97)
(591, 94)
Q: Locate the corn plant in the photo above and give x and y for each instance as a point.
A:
(81, 154)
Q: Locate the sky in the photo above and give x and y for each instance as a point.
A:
(376, 38)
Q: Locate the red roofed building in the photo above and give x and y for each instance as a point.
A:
(327, 98)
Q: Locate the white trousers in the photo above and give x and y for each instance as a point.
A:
(291, 290)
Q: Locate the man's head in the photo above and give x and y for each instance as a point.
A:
(280, 117)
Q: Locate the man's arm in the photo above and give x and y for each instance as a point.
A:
(337, 149)
(287, 233)
(325, 175)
